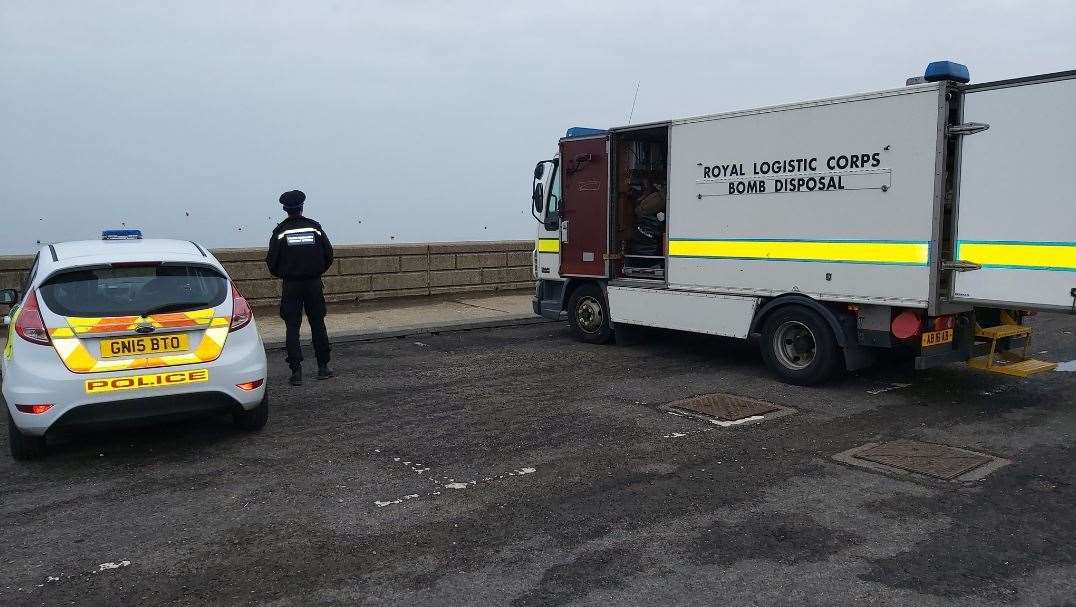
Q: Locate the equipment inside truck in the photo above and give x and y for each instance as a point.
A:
(640, 212)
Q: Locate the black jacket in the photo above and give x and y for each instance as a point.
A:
(299, 249)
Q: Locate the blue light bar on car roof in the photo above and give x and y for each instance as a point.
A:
(947, 70)
(121, 235)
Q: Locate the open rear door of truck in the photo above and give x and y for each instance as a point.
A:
(1016, 194)
(584, 228)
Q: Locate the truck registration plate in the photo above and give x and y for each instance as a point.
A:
(934, 338)
(135, 346)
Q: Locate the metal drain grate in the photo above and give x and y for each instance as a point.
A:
(937, 461)
(725, 407)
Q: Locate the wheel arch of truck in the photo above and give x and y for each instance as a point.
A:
(798, 299)
(856, 356)
(571, 284)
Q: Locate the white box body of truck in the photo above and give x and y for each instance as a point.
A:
(928, 218)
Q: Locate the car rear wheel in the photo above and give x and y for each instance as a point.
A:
(799, 346)
(254, 419)
(23, 447)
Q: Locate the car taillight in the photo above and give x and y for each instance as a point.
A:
(250, 385)
(37, 409)
(241, 313)
(29, 325)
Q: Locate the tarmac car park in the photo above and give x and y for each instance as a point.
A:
(122, 329)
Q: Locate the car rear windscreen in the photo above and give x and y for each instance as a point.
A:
(136, 290)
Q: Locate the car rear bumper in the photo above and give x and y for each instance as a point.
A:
(155, 408)
(35, 375)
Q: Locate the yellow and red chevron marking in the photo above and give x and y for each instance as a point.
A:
(79, 359)
(116, 324)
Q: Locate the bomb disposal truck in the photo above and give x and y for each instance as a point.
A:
(931, 219)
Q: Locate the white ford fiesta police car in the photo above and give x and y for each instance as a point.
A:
(124, 328)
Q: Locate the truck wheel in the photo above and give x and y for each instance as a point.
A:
(588, 315)
(23, 447)
(254, 419)
(799, 346)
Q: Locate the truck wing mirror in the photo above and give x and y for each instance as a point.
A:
(539, 169)
(537, 202)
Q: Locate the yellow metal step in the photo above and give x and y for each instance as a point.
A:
(1003, 331)
(1018, 368)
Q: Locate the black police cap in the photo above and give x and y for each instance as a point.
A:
(293, 199)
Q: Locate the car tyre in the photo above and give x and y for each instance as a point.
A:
(253, 420)
(23, 447)
(588, 315)
(799, 346)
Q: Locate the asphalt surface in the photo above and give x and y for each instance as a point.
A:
(515, 466)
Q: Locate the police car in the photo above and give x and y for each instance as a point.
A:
(125, 328)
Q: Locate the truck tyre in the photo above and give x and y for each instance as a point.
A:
(255, 419)
(23, 447)
(588, 315)
(799, 346)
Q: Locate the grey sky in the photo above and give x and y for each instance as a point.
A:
(421, 119)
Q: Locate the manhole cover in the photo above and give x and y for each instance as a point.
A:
(725, 407)
(938, 461)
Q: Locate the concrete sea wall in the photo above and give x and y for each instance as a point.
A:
(365, 272)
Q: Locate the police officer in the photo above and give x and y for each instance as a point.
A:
(299, 253)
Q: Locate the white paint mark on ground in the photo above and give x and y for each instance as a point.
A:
(675, 435)
(997, 390)
(736, 422)
(1067, 366)
(107, 566)
(887, 389)
(396, 501)
(456, 485)
(52, 578)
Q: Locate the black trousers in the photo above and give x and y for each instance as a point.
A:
(296, 296)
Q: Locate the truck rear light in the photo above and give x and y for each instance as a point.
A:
(906, 324)
(29, 325)
(250, 385)
(241, 313)
(37, 409)
(942, 323)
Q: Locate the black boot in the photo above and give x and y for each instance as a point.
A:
(324, 372)
(296, 378)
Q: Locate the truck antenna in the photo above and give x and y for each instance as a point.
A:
(633, 100)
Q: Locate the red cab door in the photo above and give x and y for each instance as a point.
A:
(584, 227)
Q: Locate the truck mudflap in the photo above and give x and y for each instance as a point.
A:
(959, 350)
